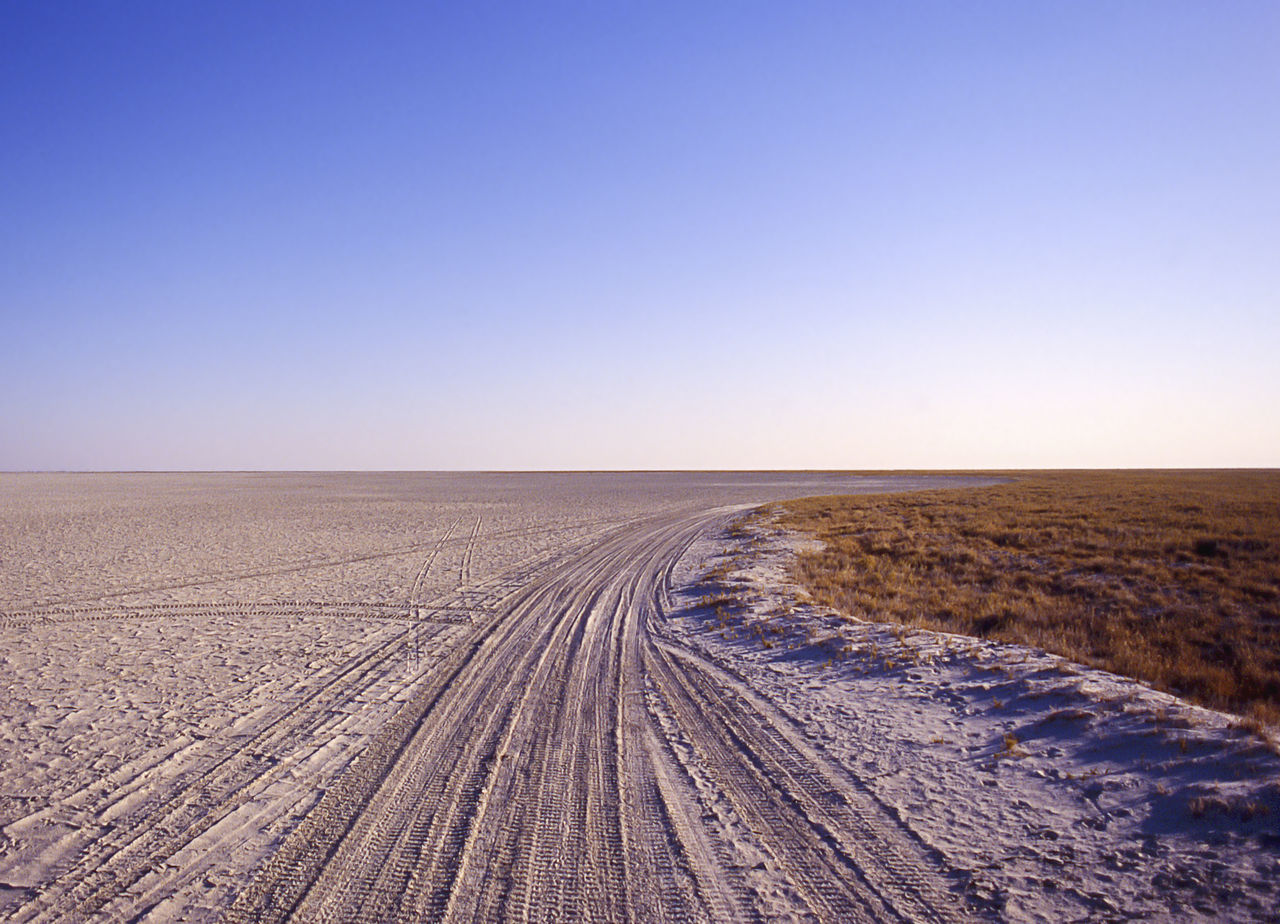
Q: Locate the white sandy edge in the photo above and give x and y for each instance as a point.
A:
(1117, 801)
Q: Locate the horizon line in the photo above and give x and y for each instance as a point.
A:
(633, 471)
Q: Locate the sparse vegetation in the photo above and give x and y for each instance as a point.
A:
(1241, 809)
(1169, 577)
(1010, 746)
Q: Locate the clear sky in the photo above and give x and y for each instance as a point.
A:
(634, 234)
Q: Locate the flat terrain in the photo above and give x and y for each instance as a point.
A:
(408, 697)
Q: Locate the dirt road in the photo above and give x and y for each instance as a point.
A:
(405, 697)
(499, 739)
(568, 762)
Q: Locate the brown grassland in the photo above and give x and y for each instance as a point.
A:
(1171, 577)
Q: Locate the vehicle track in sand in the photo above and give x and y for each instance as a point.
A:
(415, 595)
(567, 760)
(209, 785)
(176, 799)
(468, 553)
(80, 601)
(461, 602)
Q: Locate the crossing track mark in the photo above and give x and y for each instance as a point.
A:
(464, 569)
(415, 594)
(568, 761)
(592, 527)
(129, 865)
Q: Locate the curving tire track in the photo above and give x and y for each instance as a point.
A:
(78, 600)
(220, 777)
(565, 761)
(464, 569)
(415, 594)
(204, 795)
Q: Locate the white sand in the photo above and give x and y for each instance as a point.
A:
(1092, 816)
(193, 664)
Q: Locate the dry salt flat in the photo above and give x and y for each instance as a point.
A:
(1063, 793)
(363, 697)
(192, 663)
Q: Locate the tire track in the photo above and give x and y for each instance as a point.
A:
(227, 577)
(415, 594)
(448, 606)
(827, 880)
(125, 860)
(464, 569)
(559, 759)
(568, 765)
(423, 794)
(203, 795)
(381, 611)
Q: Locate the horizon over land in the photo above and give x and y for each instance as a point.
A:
(998, 470)
(367, 377)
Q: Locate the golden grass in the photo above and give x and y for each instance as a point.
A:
(1169, 577)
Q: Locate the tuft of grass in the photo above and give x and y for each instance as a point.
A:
(1011, 747)
(1240, 809)
(1169, 577)
(719, 602)
(1069, 714)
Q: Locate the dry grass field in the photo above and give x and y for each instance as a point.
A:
(1169, 577)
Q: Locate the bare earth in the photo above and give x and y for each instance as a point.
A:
(488, 697)
(402, 697)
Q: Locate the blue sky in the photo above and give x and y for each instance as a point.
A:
(639, 235)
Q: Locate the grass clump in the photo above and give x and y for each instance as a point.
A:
(1010, 746)
(1241, 809)
(1169, 577)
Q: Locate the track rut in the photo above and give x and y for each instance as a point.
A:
(567, 760)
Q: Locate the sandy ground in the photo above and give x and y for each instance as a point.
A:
(487, 697)
(1058, 792)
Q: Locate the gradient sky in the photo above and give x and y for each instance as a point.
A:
(639, 235)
